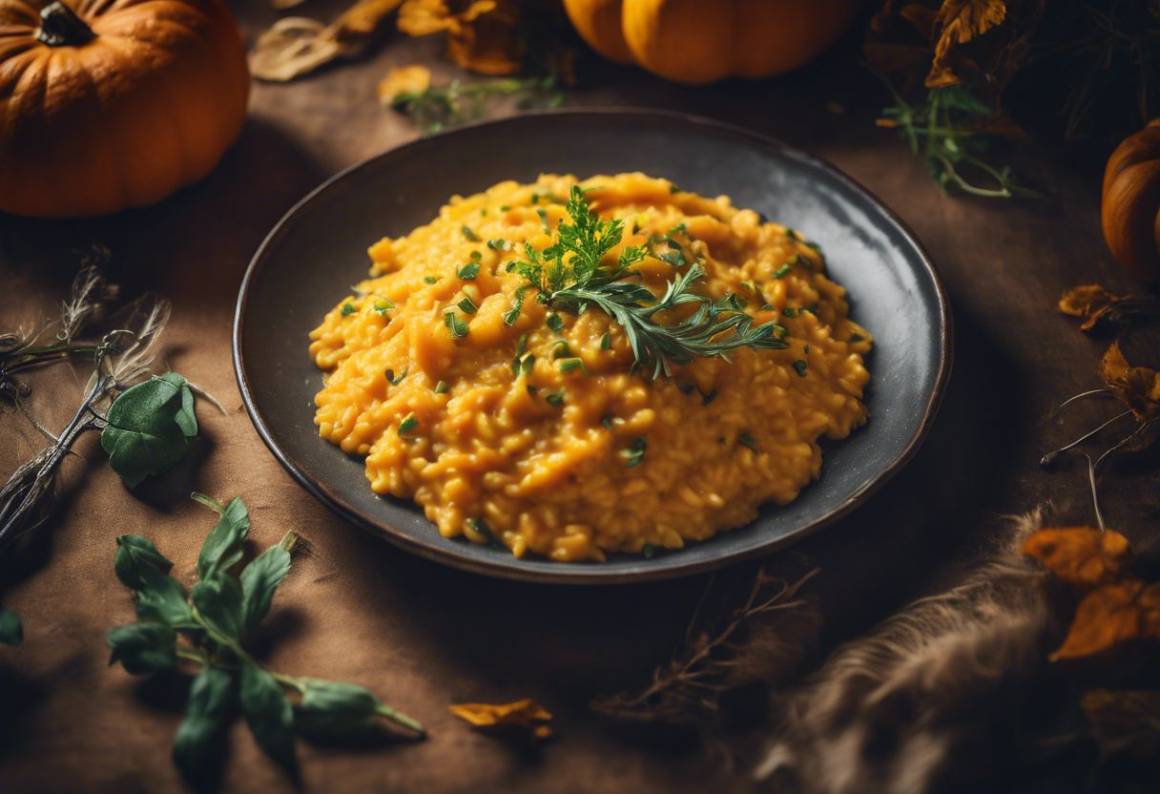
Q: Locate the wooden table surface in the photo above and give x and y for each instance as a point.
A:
(423, 636)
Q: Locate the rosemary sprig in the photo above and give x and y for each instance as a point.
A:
(570, 276)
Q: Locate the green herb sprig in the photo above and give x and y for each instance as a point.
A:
(570, 276)
(207, 626)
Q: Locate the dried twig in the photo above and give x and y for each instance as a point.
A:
(686, 690)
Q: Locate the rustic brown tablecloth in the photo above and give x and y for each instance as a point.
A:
(423, 636)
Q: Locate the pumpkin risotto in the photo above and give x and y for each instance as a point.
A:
(564, 410)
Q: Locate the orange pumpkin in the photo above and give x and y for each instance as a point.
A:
(1130, 205)
(694, 41)
(107, 104)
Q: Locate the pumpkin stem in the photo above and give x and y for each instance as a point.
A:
(61, 27)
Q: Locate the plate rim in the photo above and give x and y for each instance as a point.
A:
(586, 574)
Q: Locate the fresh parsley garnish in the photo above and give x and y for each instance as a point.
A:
(149, 427)
(570, 276)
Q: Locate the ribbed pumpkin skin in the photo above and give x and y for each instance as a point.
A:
(148, 105)
(1130, 203)
(697, 42)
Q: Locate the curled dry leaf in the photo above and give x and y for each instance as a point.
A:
(1138, 387)
(483, 36)
(524, 714)
(403, 80)
(1079, 555)
(295, 46)
(1110, 615)
(959, 22)
(1096, 305)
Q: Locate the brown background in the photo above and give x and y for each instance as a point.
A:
(423, 636)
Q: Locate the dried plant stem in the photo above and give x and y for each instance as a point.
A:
(690, 684)
(1050, 457)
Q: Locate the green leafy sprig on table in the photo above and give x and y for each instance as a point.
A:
(147, 423)
(570, 276)
(945, 130)
(208, 626)
(438, 108)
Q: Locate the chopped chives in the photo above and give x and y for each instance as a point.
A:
(457, 327)
(348, 309)
(468, 306)
(409, 423)
(441, 387)
(468, 271)
(571, 365)
(469, 233)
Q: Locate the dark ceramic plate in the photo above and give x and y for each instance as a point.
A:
(319, 248)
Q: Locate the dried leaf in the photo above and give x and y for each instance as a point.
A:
(295, 46)
(1138, 387)
(1096, 305)
(404, 80)
(1124, 723)
(1079, 555)
(483, 36)
(959, 22)
(524, 714)
(1110, 615)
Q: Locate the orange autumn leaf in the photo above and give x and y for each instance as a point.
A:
(1079, 555)
(958, 22)
(1089, 302)
(520, 714)
(1137, 386)
(1110, 615)
(404, 80)
(482, 35)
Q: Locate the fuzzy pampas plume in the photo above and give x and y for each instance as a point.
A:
(929, 700)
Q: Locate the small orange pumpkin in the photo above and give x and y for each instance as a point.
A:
(107, 104)
(695, 41)
(1130, 203)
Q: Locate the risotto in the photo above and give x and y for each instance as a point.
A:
(538, 419)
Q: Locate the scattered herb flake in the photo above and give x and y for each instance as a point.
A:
(468, 271)
(555, 322)
(782, 271)
(469, 233)
(395, 380)
(799, 367)
(457, 327)
(648, 551)
(382, 307)
(513, 314)
(634, 454)
(409, 423)
(555, 397)
(606, 341)
(497, 245)
(572, 364)
(431, 279)
(468, 306)
(348, 309)
(745, 438)
(441, 387)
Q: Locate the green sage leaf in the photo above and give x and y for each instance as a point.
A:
(207, 714)
(219, 604)
(143, 647)
(11, 629)
(224, 545)
(269, 714)
(133, 553)
(162, 599)
(260, 578)
(149, 427)
(335, 709)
